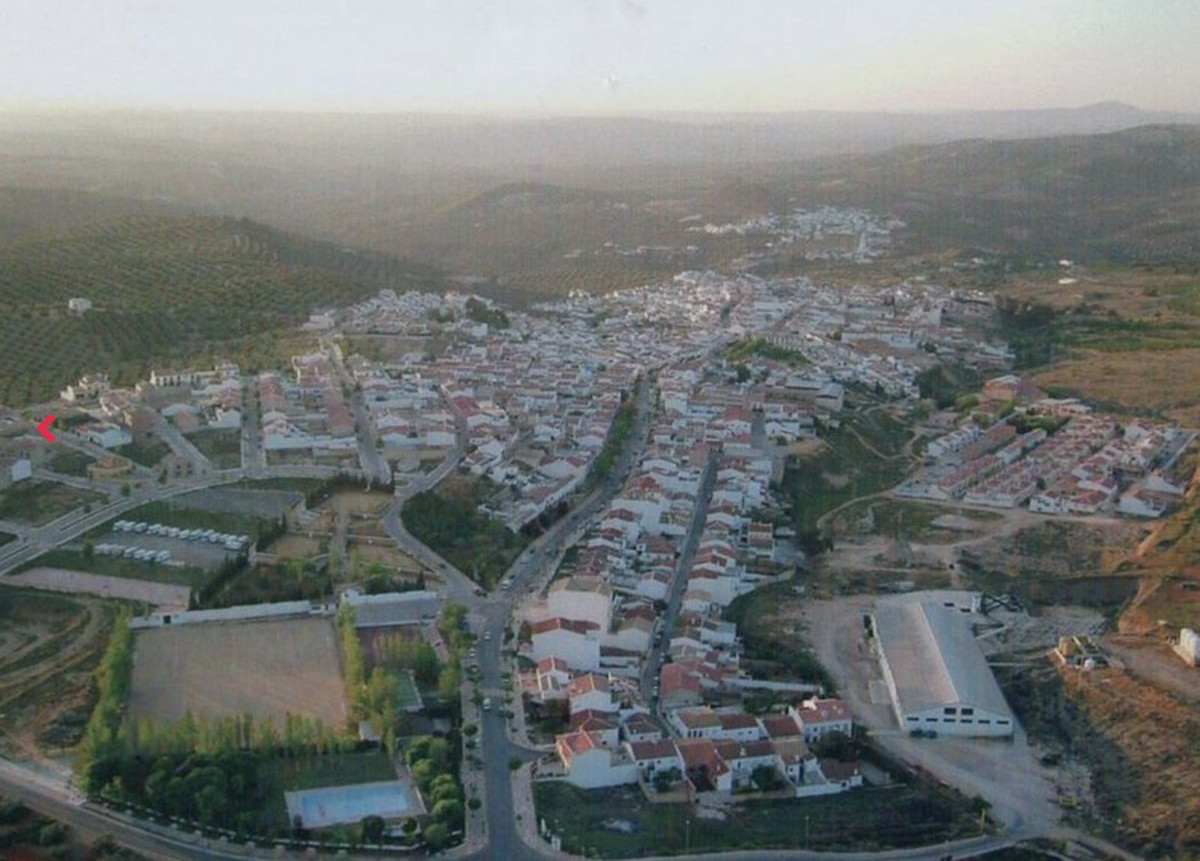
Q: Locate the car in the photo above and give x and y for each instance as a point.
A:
(487, 704)
(487, 635)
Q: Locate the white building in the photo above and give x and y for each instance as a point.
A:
(590, 765)
(1189, 647)
(935, 672)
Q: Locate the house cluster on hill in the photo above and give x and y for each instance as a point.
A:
(1077, 462)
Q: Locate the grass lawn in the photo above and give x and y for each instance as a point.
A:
(76, 560)
(147, 452)
(287, 775)
(868, 819)
(70, 462)
(6, 537)
(222, 447)
(39, 502)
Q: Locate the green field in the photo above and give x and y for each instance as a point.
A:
(147, 452)
(70, 462)
(842, 471)
(6, 537)
(39, 502)
(867, 819)
(222, 447)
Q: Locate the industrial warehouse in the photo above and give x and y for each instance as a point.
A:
(936, 675)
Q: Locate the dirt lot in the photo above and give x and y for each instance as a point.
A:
(1006, 773)
(161, 595)
(261, 668)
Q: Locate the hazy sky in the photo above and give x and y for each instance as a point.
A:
(589, 56)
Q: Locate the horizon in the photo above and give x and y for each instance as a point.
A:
(515, 115)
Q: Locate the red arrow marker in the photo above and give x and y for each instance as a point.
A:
(44, 428)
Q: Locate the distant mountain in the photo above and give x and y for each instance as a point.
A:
(1128, 195)
(168, 290)
(40, 213)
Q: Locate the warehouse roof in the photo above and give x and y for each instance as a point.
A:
(934, 659)
(393, 608)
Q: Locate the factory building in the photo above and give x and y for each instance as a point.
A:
(935, 673)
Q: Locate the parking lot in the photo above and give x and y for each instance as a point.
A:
(200, 548)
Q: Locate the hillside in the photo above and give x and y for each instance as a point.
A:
(1132, 195)
(167, 290)
(27, 214)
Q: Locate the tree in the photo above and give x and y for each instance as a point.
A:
(436, 834)
(448, 811)
(372, 829)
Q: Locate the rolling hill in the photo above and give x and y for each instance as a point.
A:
(168, 290)
(1132, 195)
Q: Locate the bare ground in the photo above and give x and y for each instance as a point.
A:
(261, 668)
(161, 595)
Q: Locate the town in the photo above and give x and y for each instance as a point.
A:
(623, 457)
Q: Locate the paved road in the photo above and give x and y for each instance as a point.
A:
(679, 582)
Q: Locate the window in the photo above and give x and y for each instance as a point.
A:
(948, 710)
(1002, 722)
(913, 719)
(968, 720)
(968, 711)
(984, 720)
(930, 720)
(949, 720)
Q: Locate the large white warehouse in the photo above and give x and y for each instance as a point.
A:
(935, 673)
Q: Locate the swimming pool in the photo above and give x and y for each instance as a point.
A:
(337, 805)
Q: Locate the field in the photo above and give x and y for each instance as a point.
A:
(40, 502)
(869, 819)
(146, 451)
(70, 462)
(163, 290)
(258, 668)
(6, 537)
(851, 464)
(160, 595)
(222, 447)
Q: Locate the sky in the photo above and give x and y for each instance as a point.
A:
(599, 56)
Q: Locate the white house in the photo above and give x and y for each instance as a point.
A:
(818, 717)
(583, 599)
(591, 765)
(575, 642)
(591, 692)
